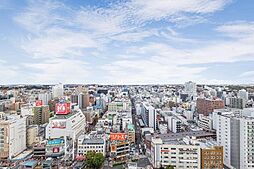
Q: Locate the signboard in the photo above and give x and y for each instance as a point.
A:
(117, 136)
(56, 150)
(38, 103)
(113, 148)
(58, 124)
(63, 108)
(57, 141)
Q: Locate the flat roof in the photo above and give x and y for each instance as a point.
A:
(171, 136)
(93, 141)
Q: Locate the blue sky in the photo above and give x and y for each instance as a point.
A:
(126, 41)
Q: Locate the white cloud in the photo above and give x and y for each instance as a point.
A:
(64, 34)
(238, 29)
(248, 74)
(59, 70)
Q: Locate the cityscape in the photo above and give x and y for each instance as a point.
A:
(126, 84)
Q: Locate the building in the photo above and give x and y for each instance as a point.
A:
(235, 134)
(174, 124)
(179, 153)
(205, 122)
(243, 94)
(32, 135)
(235, 102)
(12, 135)
(190, 88)
(131, 133)
(58, 91)
(71, 125)
(119, 147)
(39, 150)
(212, 157)
(45, 98)
(86, 144)
(207, 106)
(149, 115)
(55, 147)
(41, 115)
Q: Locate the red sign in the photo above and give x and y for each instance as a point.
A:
(38, 103)
(63, 108)
(56, 150)
(117, 136)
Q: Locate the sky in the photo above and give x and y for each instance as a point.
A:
(126, 41)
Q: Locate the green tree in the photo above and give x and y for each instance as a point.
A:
(169, 167)
(94, 160)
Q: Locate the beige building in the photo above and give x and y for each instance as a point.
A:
(32, 136)
(41, 115)
(12, 135)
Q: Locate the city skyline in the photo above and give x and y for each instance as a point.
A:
(126, 42)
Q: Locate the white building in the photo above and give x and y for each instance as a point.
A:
(205, 122)
(243, 94)
(174, 124)
(235, 134)
(71, 125)
(86, 144)
(58, 91)
(12, 135)
(149, 115)
(178, 153)
(45, 97)
(190, 88)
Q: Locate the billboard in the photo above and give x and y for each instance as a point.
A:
(38, 103)
(58, 124)
(117, 136)
(63, 108)
(55, 149)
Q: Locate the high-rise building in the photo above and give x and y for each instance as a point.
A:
(45, 98)
(58, 91)
(190, 88)
(41, 115)
(207, 106)
(12, 135)
(235, 134)
(149, 115)
(235, 102)
(243, 94)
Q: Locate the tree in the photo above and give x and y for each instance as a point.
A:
(169, 167)
(94, 160)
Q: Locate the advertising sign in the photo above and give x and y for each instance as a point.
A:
(56, 150)
(38, 103)
(117, 136)
(62, 108)
(113, 148)
(58, 124)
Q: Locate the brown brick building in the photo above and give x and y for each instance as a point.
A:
(212, 157)
(206, 106)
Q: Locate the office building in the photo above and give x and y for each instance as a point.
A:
(86, 144)
(41, 115)
(45, 97)
(207, 106)
(174, 124)
(149, 115)
(235, 134)
(212, 157)
(58, 91)
(190, 88)
(179, 153)
(12, 135)
(235, 102)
